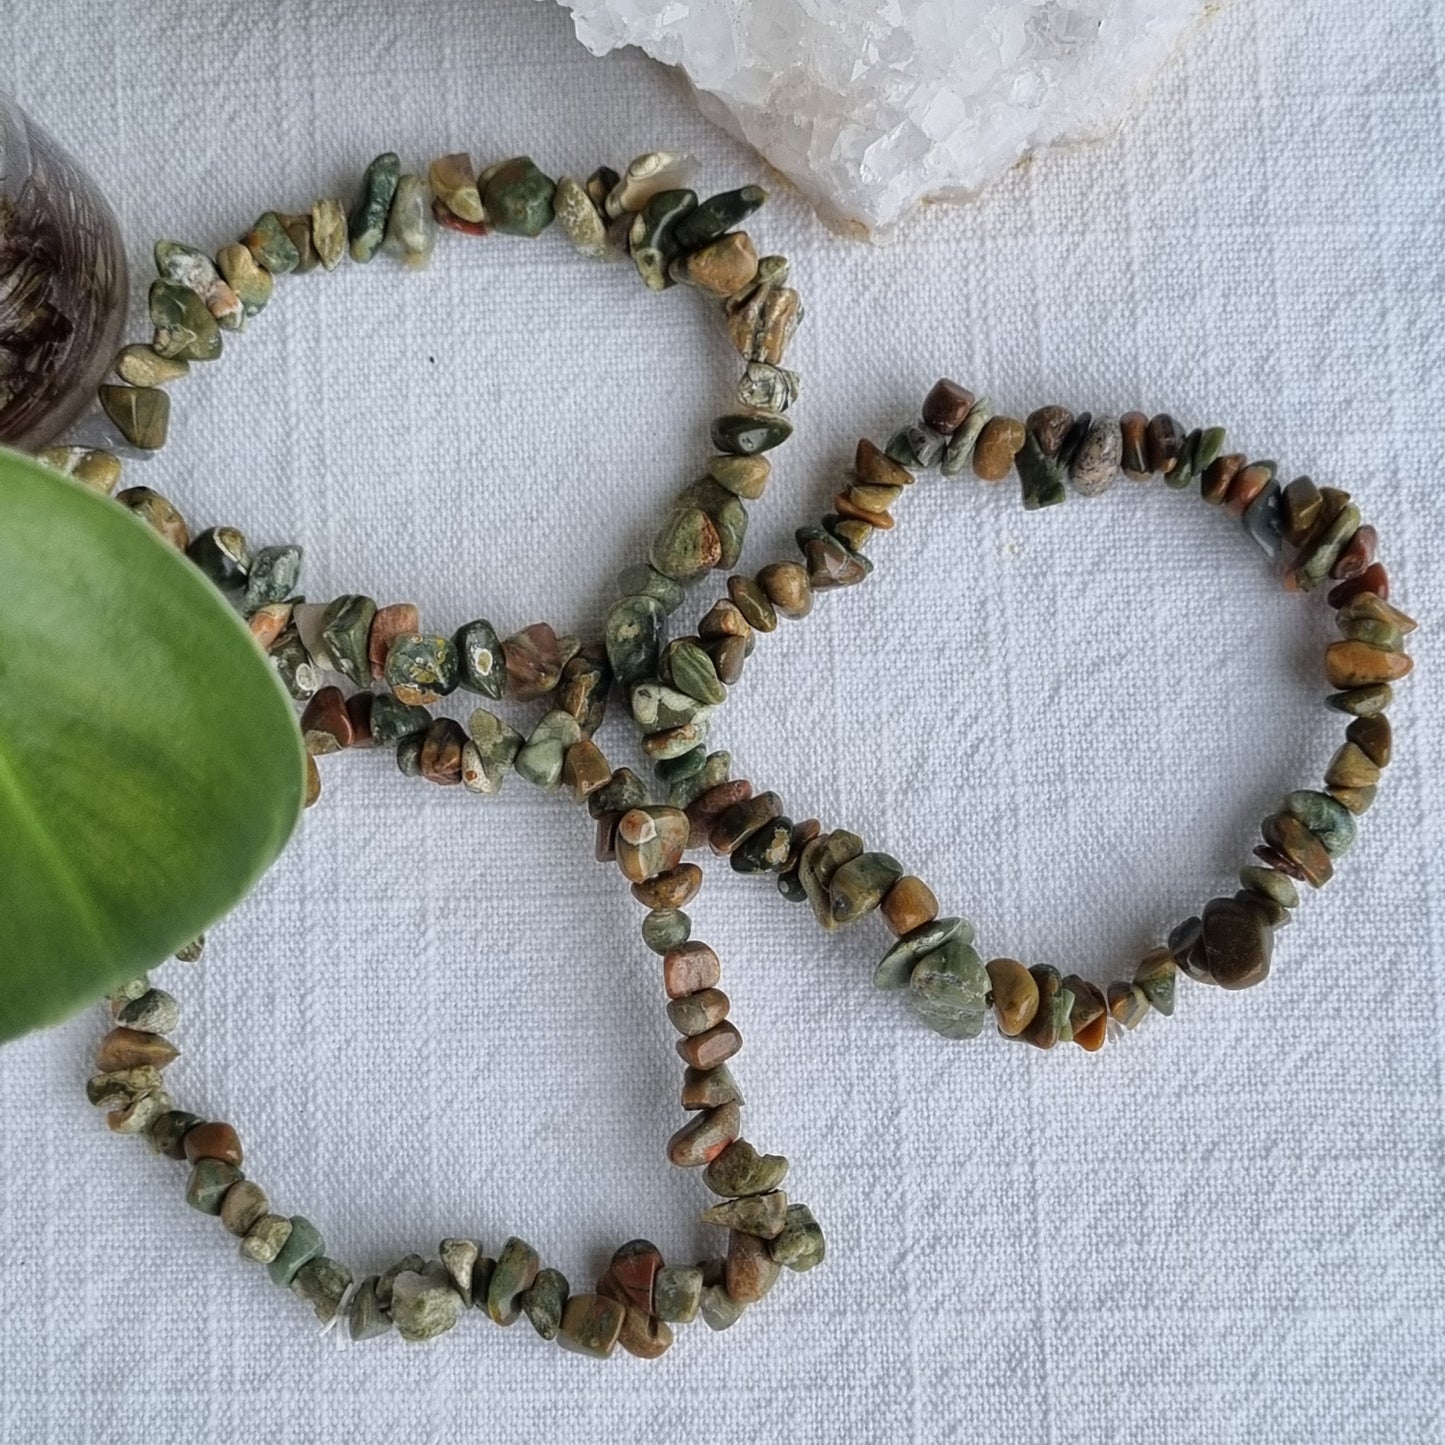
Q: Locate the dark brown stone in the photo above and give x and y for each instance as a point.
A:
(1163, 441)
(213, 1141)
(1284, 833)
(946, 407)
(1134, 460)
(1237, 943)
(441, 752)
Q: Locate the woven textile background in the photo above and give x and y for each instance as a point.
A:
(435, 1016)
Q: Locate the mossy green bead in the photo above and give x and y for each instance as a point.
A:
(518, 198)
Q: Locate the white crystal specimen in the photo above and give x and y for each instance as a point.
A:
(869, 106)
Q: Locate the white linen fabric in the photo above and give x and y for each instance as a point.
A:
(435, 1016)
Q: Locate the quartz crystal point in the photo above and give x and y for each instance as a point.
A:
(869, 106)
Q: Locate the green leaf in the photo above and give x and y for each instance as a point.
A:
(151, 768)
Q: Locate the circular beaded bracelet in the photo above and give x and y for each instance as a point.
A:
(647, 214)
(675, 689)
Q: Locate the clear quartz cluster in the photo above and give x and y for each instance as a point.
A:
(869, 106)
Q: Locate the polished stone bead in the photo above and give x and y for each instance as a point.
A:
(584, 222)
(696, 1013)
(960, 449)
(1096, 463)
(946, 407)
(687, 545)
(1369, 607)
(479, 652)
(948, 989)
(515, 1273)
(142, 414)
(692, 672)
(767, 388)
(1353, 664)
(251, 283)
(1262, 521)
(665, 929)
(329, 232)
(488, 757)
(124, 1048)
(517, 198)
(407, 1264)
(1051, 1018)
(1373, 736)
(272, 578)
(1237, 943)
(1270, 883)
(897, 965)
(819, 861)
(677, 1293)
(545, 1302)
(1368, 701)
(454, 181)
(1134, 449)
(584, 686)
(645, 177)
(459, 1259)
(212, 1141)
(909, 904)
(391, 721)
(738, 822)
(749, 432)
(800, 1245)
(591, 1325)
(724, 267)
(584, 769)
(649, 238)
(708, 1050)
(157, 513)
(96, 469)
(542, 757)
(209, 1181)
(786, 586)
(298, 231)
(760, 1215)
(1384, 635)
(744, 477)
(1088, 1014)
(740, 1171)
(625, 790)
(633, 1271)
(1163, 443)
(1013, 994)
(1351, 768)
(709, 1088)
(751, 1270)
(675, 772)
(365, 1319)
(1357, 800)
(1322, 549)
(858, 886)
(400, 619)
(367, 221)
(223, 555)
(1156, 977)
(650, 841)
(1373, 581)
(657, 707)
(1041, 476)
(302, 1244)
(766, 850)
(266, 1238)
(184, 329)
(762, 320)
(424, 1305)
(729, 655)
(1000, 441)
(168, 1131)
(830, 563)
(322, 1283)
(705, 1137)
(1287, 836)
(271, 246)
(442, 747)
(421, 669)
(534, 659)
(1357, 556)
(719, 1310)
(1127, 1005)
(345, 632)
(1328, 819)
(716, 215)
(244, 1204)
(689, 968)
(154, 1012)
(1300, 506)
